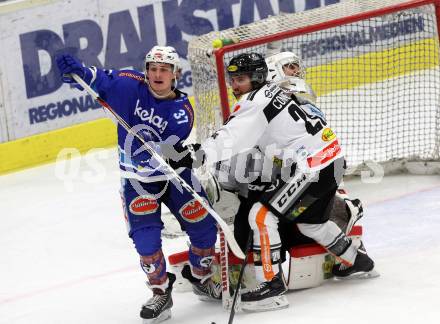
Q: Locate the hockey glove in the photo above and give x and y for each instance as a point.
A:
(189, 156)
(68, 64)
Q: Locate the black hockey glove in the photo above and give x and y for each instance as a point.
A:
(189, 156)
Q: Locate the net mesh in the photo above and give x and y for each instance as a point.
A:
(377, 79)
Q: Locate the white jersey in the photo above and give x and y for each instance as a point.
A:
(284, 130)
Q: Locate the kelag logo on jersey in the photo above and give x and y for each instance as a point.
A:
(149, 117)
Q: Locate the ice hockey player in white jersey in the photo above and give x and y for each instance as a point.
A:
(303, 165)
(287, 70)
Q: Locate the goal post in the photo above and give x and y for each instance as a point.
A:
(373, 64)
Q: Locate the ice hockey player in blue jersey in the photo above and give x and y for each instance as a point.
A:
(156, 110)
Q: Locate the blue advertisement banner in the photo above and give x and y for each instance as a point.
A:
(106, 34)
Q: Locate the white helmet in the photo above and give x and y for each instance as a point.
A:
(163, 54)
(291, 83)
(276, 62)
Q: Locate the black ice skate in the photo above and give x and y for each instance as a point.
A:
(158, 308)
(207, 290)
(268, 295)
(363, 267)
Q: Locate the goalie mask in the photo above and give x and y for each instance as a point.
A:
(287, 70)
(163, 54)
(283, 65)
(251, 64)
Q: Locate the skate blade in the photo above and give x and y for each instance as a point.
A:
(166, 314)
(208, 299)
(265, 305)
(360, 275)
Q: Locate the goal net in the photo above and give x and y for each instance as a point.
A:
(374, 66)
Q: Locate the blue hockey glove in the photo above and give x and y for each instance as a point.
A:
(68, 64)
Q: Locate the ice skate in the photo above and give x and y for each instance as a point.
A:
(363, 267)
(158, 308)
(266, 296)
(206, 290)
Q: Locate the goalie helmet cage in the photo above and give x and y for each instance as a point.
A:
(373, 64)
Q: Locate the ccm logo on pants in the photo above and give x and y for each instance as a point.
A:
(288, 193)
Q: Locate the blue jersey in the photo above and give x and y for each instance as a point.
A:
(156, 120)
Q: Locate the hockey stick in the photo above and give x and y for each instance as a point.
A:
(240, 277)
(174, 175)
(224, 272)
(214, 194)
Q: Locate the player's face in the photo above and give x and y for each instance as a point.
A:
(291, 69)
(160, 76)
(240, 84)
